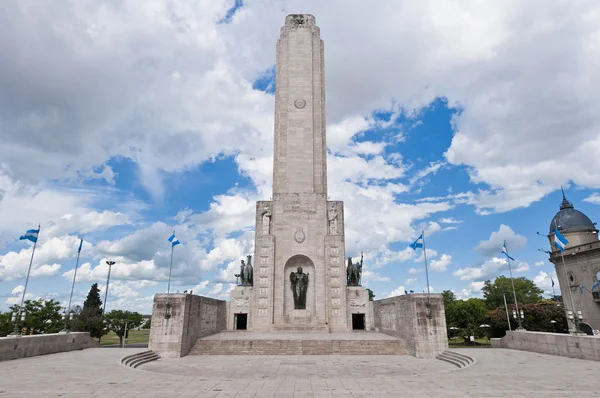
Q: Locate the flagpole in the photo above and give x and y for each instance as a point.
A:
(425, 257)
(72, 287)
(567, 285)
(553, 292)
(507, 316)
(16, 332)
(512, 281)
(170, 268)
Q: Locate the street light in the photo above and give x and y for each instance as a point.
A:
(576, 319)
(110, 264)
(15, 319)
(520, 318)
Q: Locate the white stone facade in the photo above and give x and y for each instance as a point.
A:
(300, 227)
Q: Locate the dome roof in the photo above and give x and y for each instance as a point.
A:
(570, 220)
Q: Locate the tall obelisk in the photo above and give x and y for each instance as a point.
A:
(299, 227)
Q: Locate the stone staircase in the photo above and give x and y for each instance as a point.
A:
(301, 328)
(135, 360)
(460, 360)
(299, 347)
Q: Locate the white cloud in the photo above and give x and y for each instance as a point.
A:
(543, 280)
(445, 220)
(593, 198)
(441, 264)
(370, 276)
(18, 290)
(410, 281)
(216, 289)
(493, 245)
(489, 270)
(414, 271)
(538, 263)
(399, 291)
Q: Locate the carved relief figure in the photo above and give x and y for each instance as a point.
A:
(332, 216)
(266, 220)
(354, 272)
(299, 284)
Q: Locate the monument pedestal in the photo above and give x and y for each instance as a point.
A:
(359, 307)
(240, 304)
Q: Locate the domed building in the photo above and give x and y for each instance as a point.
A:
(578, 278)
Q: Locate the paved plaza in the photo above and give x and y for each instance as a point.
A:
(497, 373)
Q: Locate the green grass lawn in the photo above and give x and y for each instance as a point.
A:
(459, 342)
(135, 336)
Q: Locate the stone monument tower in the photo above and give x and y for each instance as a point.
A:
(299, 267)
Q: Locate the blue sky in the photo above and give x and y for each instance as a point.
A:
(452, 132)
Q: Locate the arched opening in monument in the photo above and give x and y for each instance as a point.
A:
(587, 329)
(240, 321)
(299, 289)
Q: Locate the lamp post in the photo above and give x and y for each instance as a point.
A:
(576, 318)
(15, 320)
(519, 317)
(110, 264)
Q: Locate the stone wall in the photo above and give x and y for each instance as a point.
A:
(192, 317)
(418, 319)
(564, 345)
(42, 344)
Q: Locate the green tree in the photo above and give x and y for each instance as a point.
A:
(148, 323)
(449, 297)
(538, 318)
(90, 318)
(6, 326)
(467, 316)
(42, 316)
(527, 292)
(118, 320)
(371, 294)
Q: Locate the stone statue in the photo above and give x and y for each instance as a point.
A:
(266, 220)
(247, 273)
(241, 274)
(299, 282)
(354, 272)
(332, 216)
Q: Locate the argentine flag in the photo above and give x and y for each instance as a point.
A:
(505, 252)
(560, 241)
(31, 235)
(417, 243)
(174, 241)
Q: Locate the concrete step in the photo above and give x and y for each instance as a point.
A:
(299, 347)
(300, 328)
(135, 360)
(455, 358)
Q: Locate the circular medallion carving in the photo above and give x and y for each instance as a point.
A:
(299, 103)
(299, 236)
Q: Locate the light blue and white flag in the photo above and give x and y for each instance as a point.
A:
(80, 244)
(560, 241)
(31, 235)
(581, 287)
(505, 252)
(174, 241)
(417, 243)
(552, 280)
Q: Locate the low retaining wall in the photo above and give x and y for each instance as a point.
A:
(564, 345)
(42, 344)
(192, 317)
(406, 317)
